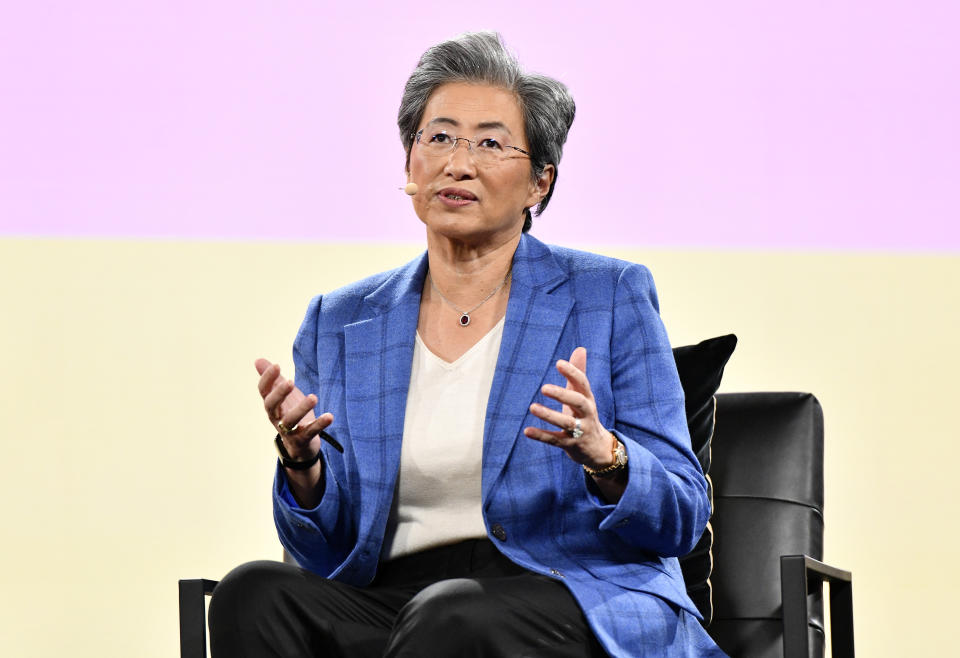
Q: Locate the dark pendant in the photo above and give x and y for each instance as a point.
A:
(464, 320)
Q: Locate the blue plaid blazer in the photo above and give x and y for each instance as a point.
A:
(355, 349)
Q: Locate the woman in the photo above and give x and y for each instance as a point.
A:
(515, 475)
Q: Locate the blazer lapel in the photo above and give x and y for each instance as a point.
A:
(537, 312)
(379, 354)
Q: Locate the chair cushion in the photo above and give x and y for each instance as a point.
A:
(700, 368)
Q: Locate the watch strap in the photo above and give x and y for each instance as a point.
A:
(290, 462)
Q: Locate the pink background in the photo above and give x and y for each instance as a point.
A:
(738, 124)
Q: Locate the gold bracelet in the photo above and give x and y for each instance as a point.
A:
(619, 463)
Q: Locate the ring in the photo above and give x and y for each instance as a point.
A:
(284, 429)
(577, 430)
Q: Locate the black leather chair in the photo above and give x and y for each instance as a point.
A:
(767, 473)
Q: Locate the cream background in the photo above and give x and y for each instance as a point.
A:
(135, 452)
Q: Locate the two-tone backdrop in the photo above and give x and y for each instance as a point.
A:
(178, 178)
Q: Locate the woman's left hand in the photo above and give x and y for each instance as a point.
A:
(594, 448)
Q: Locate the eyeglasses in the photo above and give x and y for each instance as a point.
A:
(487, 149)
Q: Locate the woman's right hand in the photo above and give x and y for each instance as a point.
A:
(285, 402)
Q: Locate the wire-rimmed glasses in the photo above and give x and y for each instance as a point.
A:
(487, 148)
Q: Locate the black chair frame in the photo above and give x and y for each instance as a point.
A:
(801, 575)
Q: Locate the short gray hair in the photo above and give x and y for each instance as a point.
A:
(547, 106)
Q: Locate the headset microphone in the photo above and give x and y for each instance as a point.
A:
(411, 188)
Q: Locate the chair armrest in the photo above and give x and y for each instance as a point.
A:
(193, 617)
(800, 574)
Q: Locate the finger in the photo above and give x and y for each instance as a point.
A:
(293, 416)
(321, 422)
(268, 378)
(576, 378)
(262, 364)
(304, 435)
(275, 398)
(559, 439)
(320, 425)
(578, 359)
(316, 426)
(578, 403)
(561, 420)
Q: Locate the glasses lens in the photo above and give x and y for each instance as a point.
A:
(486, 148)
(489, 147)
(436, 141)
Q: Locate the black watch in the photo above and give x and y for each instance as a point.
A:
(289, 462)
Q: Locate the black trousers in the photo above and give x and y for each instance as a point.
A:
(459, 601)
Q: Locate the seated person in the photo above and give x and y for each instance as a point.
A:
(514, 474)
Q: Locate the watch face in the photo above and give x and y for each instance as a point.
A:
(621, 455)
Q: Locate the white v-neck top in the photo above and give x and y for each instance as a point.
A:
(437, 499)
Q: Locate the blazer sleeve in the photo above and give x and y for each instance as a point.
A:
(319, 538)
(665, 507)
